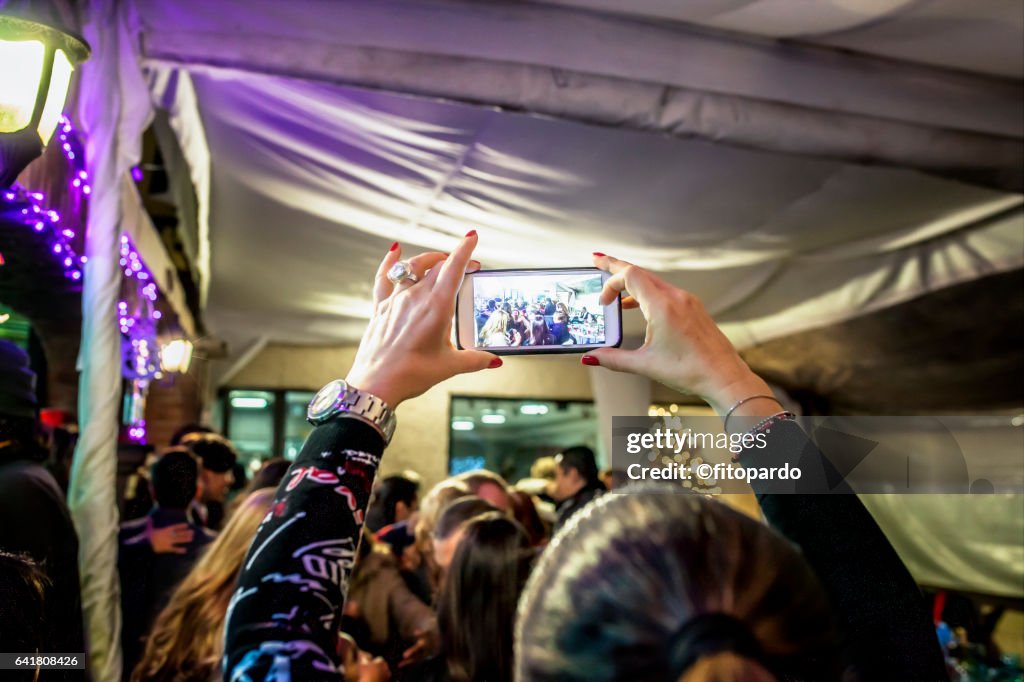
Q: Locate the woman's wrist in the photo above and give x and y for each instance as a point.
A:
(376, 384)
(741, 387)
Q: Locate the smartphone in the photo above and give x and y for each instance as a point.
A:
(529, 312)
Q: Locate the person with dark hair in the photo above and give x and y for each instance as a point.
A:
(524, 511)
(186, 430)
(148, 577)
(560, 330)
(34, 516)
(576, 482)
(477, 608)
(539, 334)
(285, 629)
(393, 501)
(23, 627)
(448, 531)
(217, 456)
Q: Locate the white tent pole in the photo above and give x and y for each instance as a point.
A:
(113, 118)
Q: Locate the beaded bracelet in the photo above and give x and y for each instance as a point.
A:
(766, 424)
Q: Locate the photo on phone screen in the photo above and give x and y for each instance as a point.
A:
(528, 311)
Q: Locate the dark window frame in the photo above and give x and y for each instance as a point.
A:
(500, 399)
(278, 416)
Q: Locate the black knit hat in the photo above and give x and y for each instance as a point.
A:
(17, 382)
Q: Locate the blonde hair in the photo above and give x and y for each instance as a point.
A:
(497, 323)
(186, 640)
(431, 507)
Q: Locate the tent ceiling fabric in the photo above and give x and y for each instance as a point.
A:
(612, 70)
(312, 182)
(987, 34)
(731, 163)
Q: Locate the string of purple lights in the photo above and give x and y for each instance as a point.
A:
(138, 316)
(29, 207)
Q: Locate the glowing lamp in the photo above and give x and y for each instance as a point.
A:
(176, 356)
(37, 56)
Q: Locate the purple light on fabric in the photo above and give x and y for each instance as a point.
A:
(137, 174)
(76, 275)
(157, 314)
(57, 248)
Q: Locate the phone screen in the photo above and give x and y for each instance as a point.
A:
(538, 311)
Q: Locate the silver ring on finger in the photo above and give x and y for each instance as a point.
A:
(402, 272)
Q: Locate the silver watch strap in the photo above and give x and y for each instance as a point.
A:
(370, 409)
(338, 399)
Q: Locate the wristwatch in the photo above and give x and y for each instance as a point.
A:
(338, 399)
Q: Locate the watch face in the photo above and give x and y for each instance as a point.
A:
(323, 403)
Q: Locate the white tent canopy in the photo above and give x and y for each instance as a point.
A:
(796, 164)
(734, 166)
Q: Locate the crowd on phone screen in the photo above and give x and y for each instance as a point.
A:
(544, 322)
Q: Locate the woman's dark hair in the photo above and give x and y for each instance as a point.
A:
(477, 606)
(657, 585)
(23, 587)
(459, 512)
(525, 512)
(540, 335)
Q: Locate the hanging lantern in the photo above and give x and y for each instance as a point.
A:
(37, 57)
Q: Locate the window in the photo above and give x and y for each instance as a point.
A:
(508, 435)
(264, 423)
(250, 422)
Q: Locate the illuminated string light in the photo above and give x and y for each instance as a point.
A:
(29, 207)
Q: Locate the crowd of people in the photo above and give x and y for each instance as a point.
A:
(502, 322)
(320, 570)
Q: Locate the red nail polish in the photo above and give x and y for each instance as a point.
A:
(599, 254)
(471, 233)
(394, 247)
(495, 363)
(590, 360)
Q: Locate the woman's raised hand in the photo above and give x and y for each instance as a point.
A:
(407, 347)
(683, 347)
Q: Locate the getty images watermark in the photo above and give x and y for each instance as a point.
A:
(682, 467)
(823, 455)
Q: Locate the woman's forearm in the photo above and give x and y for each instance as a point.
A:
(285, 611)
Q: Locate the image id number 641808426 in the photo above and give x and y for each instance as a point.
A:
(32, 661)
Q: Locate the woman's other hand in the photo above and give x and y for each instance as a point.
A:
(407, 346)
(683, 347)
